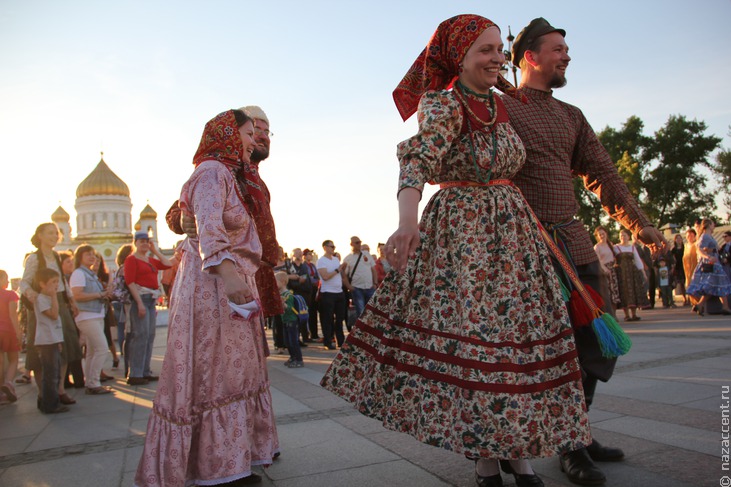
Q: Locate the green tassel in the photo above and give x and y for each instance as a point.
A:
(612, 339)
(564, 291)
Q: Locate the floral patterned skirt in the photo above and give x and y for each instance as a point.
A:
(471, 349)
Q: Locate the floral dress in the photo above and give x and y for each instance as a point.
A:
(212, 418)
(471, 349)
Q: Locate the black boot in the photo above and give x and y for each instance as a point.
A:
(580, 469)
(600, 453)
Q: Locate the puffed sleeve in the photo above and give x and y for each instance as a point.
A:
(30, 267)
(205, 196)
(440, 121)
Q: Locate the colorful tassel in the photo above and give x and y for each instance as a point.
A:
(579, 310)
(595, 296)
(565, 293)
(612, 339)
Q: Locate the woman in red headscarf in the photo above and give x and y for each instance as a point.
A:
(212, 418)
(469, 346)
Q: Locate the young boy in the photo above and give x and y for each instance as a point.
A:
(291, 323)
(666, 291)
(49, 339)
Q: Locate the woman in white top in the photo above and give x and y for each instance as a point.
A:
(90, 297)
(605, 251)
(630, 273)
(45, 239)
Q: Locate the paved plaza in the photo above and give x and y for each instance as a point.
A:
(663, 407)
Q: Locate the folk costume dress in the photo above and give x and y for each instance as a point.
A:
(630, 276)
(714, 281)
(212, 417)
(471, 349)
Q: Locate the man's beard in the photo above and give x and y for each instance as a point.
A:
(259, 155)
(558, 81)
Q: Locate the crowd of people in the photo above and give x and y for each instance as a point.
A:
(67, 305)
(694, 269)
(465, 332)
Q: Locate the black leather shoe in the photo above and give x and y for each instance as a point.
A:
(521, 480)
(532, 480)
(580, 469)
(491, 481)
(600, 453)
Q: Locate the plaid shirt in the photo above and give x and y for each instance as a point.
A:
(561, 145)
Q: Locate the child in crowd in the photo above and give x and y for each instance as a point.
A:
(49, 340)
(666, 291)
(9, 339)
(290, 321)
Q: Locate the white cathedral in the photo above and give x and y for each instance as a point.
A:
(103, 216)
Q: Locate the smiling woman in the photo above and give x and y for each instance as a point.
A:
(213, 388)
(468, 345)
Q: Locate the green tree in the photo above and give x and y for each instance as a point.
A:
(627, 140)
(672, 182)
(722, 169)
(623, 147)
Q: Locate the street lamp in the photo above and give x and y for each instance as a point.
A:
(509, 60)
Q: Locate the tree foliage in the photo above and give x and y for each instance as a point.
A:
(673, 184)
(664, 172)
(722, 169)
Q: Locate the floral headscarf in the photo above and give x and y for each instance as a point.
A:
(221, 141)
(437, 67)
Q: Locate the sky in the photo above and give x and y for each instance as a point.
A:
(138, 80)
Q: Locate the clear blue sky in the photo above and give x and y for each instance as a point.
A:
(139, 79)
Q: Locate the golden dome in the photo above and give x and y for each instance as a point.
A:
(60, 215)
(148, 213)
(102, 181)
(138, 227)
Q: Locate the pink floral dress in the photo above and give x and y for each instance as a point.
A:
(212, 417)
(471, 349)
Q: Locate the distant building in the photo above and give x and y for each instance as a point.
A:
(103, 215)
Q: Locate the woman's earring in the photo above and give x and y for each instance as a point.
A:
(461, 68)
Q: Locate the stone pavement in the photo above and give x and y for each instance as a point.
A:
(663, 407)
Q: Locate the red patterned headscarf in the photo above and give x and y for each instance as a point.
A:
(221, 141)
(437, 67)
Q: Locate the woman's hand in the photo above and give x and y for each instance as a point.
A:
(401, 246)
(236, 289)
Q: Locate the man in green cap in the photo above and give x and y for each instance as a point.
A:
(561, 145)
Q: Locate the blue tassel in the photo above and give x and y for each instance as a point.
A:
(613, 341)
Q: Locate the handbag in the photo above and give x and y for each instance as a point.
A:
(348, 296)
(706, 268)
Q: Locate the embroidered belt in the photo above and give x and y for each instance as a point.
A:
(463, 184)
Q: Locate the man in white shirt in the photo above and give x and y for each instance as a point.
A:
(332, 299)
(359, 275)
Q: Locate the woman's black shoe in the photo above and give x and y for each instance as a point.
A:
(532, 480)
(491, 481)
(521, 480)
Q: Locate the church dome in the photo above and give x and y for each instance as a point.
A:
(102, 181)
(60, 215)
(148, 213)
